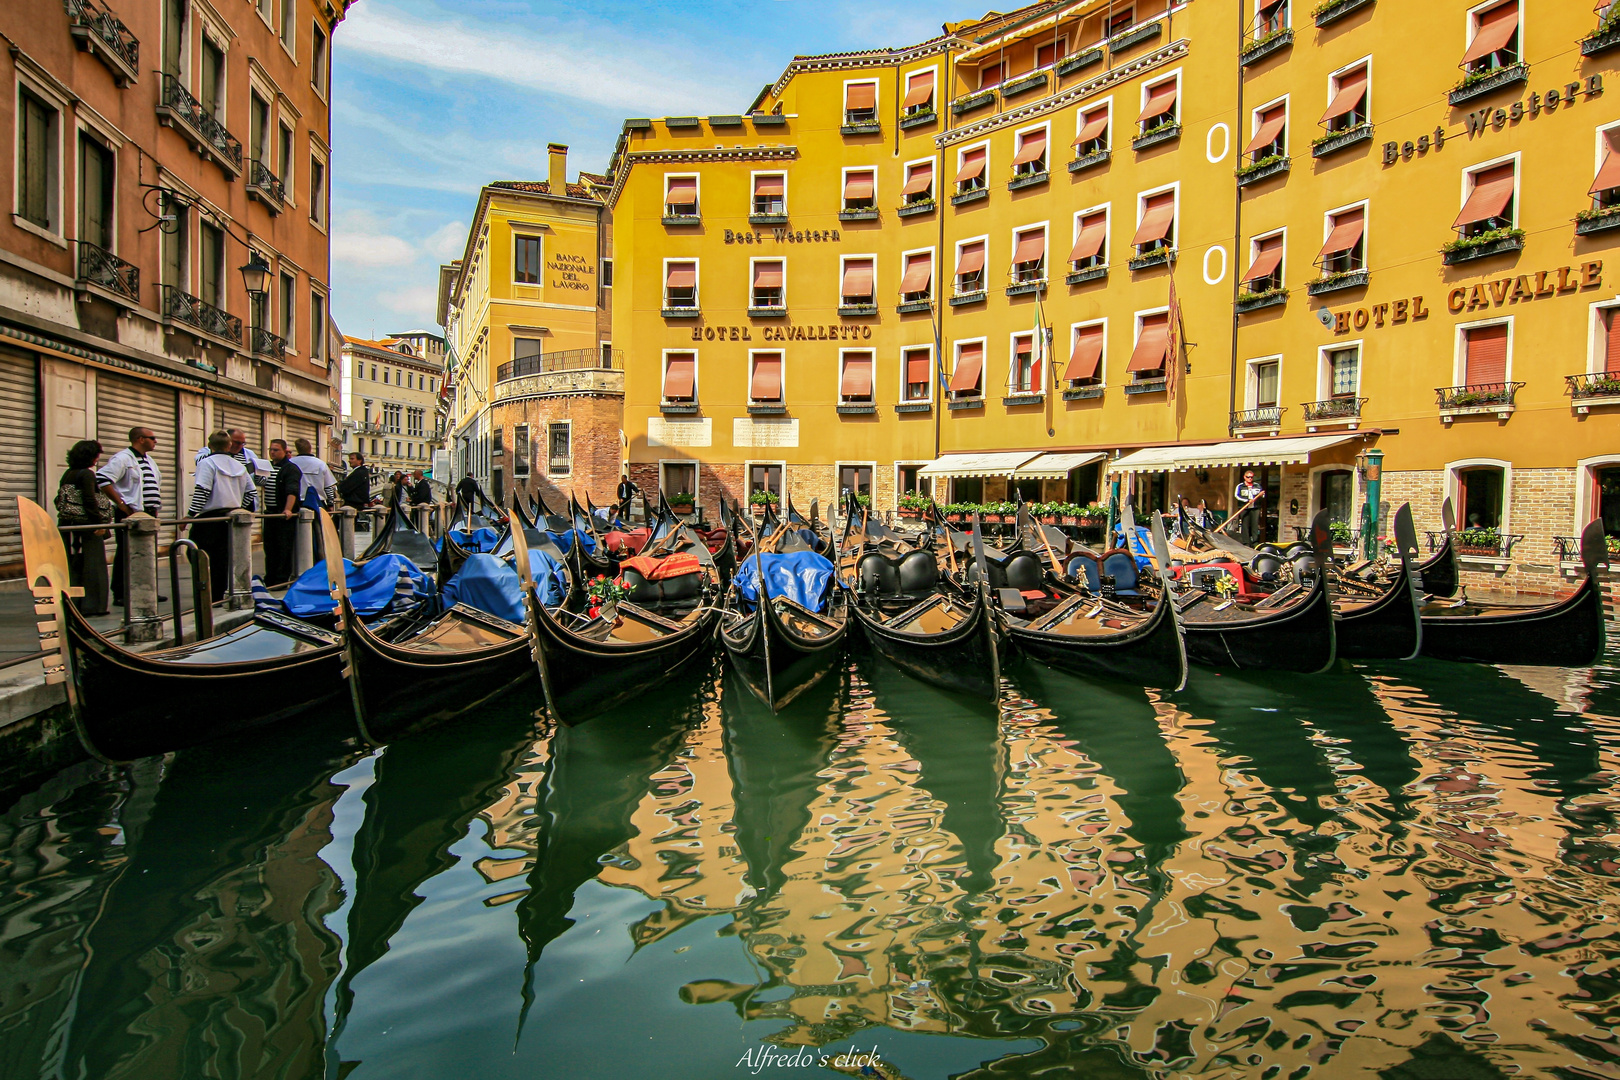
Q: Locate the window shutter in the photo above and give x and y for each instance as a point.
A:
(1087, 354)
(1487, 355)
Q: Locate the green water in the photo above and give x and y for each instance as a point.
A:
(1408, 871)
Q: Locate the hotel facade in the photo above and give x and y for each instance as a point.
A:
(1088, 248)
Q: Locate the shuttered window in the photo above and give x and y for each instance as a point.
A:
(19, 442)
(96, 175)
(1086, 358)
(969, 366)
(36, 160)
(766, 381)
(1487, 355)
(856, 383)
(1611, 341)
(123, 403)
(917, 374)
(680, 377)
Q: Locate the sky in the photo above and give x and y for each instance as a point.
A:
(434, 100)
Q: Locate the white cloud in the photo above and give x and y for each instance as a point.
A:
(371, 249)
(411, 300)
(447, 242)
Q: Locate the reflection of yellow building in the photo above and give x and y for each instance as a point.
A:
(853, 279)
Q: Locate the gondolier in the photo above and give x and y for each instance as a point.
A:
(1251, 499)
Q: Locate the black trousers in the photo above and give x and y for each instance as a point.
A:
(280, 539)
(214, 537)
(120, 566)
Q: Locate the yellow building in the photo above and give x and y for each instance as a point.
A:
(1328, 241)
(388, 393)
(538, 389)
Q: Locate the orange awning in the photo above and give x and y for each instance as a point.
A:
(679, 375)
(770, 184)
(857, 380)
(681, 276)
(1156, 218)
(1153, 345)
(919, 270)
(917, 366)
(969, 362)
(767, 275)
(1033, 146)
(1161, 99)
(919, 90)
(859, 185)
(1347, 228)
(921, 179)
(1096, 123)
(1608, 174)
(1496, 27)
(1272, 121)
(1087, 354)
(857, 278)
(1031, 247)
(766, 384)
(1493, 188)
(970, 260)
(1352, 89)
(972, 165)
(1093, 231)
(1267, 257)
(861, 95)
(682, 191)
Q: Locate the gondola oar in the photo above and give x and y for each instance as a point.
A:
(990, 612)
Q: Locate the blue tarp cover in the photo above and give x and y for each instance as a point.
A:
(565, 540)
(475, 541)
(374, 585)
(803, 577)
(491, 584)
(1141, 545)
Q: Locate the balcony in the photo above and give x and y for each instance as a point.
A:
(106, 271)
(266, 186)
(1478, 400)
(1029, 179)
(565, 360)
(179, 110)
(1080, 61)
(1162, 134)
(1135, 36)
(183, 309)
(1086, 161)
(1598, 388)
(1484, 246)
(1084, 393)
(968, 102)
(1334, 141)
(1335, 411)
(103, 35)
(1599, 220)
(268, 345)
(572, 371)
(1248, 301)
(919, 118)
(1267, 420)
(1333, 10)
(1147, 386)
(1479, 83)
(1089, 273)
(1264, 169)
(911, 209)
(1023, 84)
(1149, 259)
(1264, 45)
(1333, 282)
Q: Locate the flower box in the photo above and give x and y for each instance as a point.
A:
(1264, 169)
(1349, 279)
(972, 101)
(1028, 180)
(1605, 38)
(1256, 301)
(1079, 62)
(1086, 161)
(1131, 38)
(1023, 84)
(1335, 141)
(1257, 51)
(1478, 84)
(1162, 134)
(1483, 246)
(917, 119)
(923, 206)
(1334, 10)
(1090, 273)
(1162, 257)
(1588, 222)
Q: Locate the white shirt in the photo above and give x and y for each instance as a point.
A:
(255, 463)
(317, 475)
(222, 484)
(135, 477)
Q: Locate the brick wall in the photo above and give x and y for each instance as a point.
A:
(594, 444)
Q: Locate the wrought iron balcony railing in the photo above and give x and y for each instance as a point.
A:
(566, 360)
(1601, 384)
(182, 307)
(1483, 396)
(1269, 417)
(266, 344)
(205, 129)
(1345, 408)
(266, 184)
(104, 35)
(103, 269)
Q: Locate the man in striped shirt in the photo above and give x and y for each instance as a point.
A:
(223, 484)
(255, 465)
(132, 481)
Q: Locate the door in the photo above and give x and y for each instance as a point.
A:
(856, 478)
(1608, 498)
(67, 413)
(1334, 493)
(1271, 477)
(18, 447)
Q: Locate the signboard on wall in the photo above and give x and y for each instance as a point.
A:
(767, 431)
(680, 431)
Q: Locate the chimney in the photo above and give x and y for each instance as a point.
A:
(558, 176)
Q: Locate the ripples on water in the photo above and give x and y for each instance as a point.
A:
(1402, 870)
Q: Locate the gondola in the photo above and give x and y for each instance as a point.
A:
(587, 665)
(400, 536)
(127, 705)
(1568, 633)
(1439, 573)
(461, 658)
(780, 648)
(548, 519)
(933, 626)
(596, 561)
(1385, 625)
(1089, 635)
(1292, 632)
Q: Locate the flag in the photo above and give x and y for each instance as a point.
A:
(1172, 367)
(1037, 357)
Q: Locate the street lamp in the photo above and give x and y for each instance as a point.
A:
(254, 273)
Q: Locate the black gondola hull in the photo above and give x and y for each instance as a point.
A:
(1299, 638)
(776, 663)
(1387, 628)
(1151, 654)
(1440, 572)
(1566, 634)
(963, 659)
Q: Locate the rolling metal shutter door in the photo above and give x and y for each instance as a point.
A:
(123, 403)
(300, 428)
(19, 446)
(232, 414)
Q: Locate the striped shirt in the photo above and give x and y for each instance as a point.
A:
(136, 479)
(222, 484)
(254, 464)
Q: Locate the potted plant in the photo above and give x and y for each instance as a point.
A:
(759, 501)
(1342, 534)
(603, 596)
(957, 512)
(1093, 514)
(913, 505)
(681, 502)
(1612, 542)
(1479, 540)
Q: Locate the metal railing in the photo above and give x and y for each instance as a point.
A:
(1346, 408)
(262, 179)
(108, 29)
(267, 344)
(1477, 396)
(1269, 417)
(566, 360)
(178, 100)
(180, 306)
(1597, 384)
(102, 268)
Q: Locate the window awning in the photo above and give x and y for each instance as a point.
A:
(1087, 354)
(1152, 345)
(1161, 99)
(1031, 247)
(1055, 466)
(962, 466)
(766, 384)
(859, 185)
(1093, 231)
(1493, 188)
(682, 191)
(1272, 121)
(679, 376)
(1496, 27)
(969, 363)
(1608, 174)
(857, 380)
(919, 90)
(970, 260)
(1096, 123)
(921, 179)
(857, 278)
(1267, 257)
(767, 275)
(1157, 214)
(972, 165)
(1346, 232)
(1352, 89)
(771, 184)
(1239, 452)
(681, 276)
(861, 95)
(1031, 149)
(919, 269)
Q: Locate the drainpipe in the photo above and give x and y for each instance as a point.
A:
(1237, 241)
(937, 391)
(1373, 475)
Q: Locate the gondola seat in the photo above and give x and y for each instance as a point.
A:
(1122, 565)
(913, 574)
(1266, 566)
(678, 576)
(1085, 569)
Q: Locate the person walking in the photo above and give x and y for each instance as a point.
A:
(281, 494)
(627, 491)
(223, 484)
(256, 466)
(1251, 497)
(132, 480)
(422, 490)
(80, 501)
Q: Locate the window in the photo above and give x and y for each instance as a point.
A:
(1605, 190)
(1031, 157)
(765, 380)
(1479, 492)
(317, 60)
(211, 285)
(258, 131)
(1086, 355)
(1051, 52)
(317, 190)
(859, 282)
(37, 175)
(973, 165)
(860, 103)
(680, 285)
(1159, 106)
(855, 382)
(526, 353)
(289, 286)
(1090, 240)
(174, 36)
(678, 478)
(1347, 100)
(856, 479)
(211, 87)
(919, 183)
(560, 454)
(1120, 21)
(1029, 255)
(1270, 138)
(766, 478)
(1270, 17)
(910, 482)
(607, 274)
(860, 189)
(526, 260)
(768, 284)
(365, 412)
(373, 372)
(969, 372)
(1025, 374)
(917, 280)
(916, 366)
(1263, 383)
(1346, 247)
(1493, 38)
(1152, 346)
(1485, 355)
(174, 240)
(1265, 273)
(97, 175)
(1093, 136)
(1156, 230)
(770, 194)
(970, 267)
(681, 196)
(680, 378)
(1344, 372)
(991, 75)
(1490, 203)
(289, 9)
(919, 93)
(284, 157)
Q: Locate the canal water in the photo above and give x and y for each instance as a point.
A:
(1409, 871)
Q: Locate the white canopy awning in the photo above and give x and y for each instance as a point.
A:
(965, 465)
(1239, 452)
(1056, 466)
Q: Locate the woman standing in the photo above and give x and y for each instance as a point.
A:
(79, 501)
